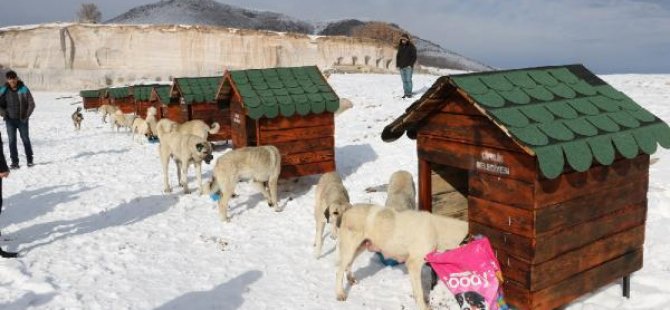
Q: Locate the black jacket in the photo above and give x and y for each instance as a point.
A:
(406, 56)
(16, 110)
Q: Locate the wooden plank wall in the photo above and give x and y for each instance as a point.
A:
(126, 105)
(141, 108)
(556, 240)
(306, 143)
(91, 103)
(210, 113)
(175, 112)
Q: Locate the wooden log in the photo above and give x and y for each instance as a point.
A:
(586, 282)
(502, 217)
(502, 190)
(297, 121)
(598, 178)
(530, 224)
(474, 130)
(425, 195)
(308, 157)
(486, 160)
(543, 275)
(306, 145)
(586, 208)
(547, 246)
(574, 287)
(307, 169)
(285, 135)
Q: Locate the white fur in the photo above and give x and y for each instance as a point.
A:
(184, 150)
(332, 199)
(259, 164)
(404, 236)
(401, 191)
(194, 127)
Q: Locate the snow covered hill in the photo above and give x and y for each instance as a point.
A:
(95, 231)
(209, 12)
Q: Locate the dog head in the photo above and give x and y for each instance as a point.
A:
(204, 151)
(78, 109)
(335, 212)
(471, 301)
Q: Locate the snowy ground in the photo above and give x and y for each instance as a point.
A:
(95, 230)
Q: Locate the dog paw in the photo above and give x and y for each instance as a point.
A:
(167, 190)
(341, 296)
(234, 195)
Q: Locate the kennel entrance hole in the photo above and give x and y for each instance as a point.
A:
(449, 191)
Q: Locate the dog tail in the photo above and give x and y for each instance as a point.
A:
(215, 128)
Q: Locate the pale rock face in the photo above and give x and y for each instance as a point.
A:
(83, 56)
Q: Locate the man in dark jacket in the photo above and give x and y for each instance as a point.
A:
(16, 106)
(4, 172)
(405, 60)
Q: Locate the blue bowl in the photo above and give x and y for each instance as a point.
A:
(387, 262)
(215, 197)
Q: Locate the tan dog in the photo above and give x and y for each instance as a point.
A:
(401, 191)
(140, 128)
(184, 149)
(121, 120)
(404, 236)
(77, 117)
(332, 199)
(151, 120)
(107, 109)
(260, 164)
(194, 127)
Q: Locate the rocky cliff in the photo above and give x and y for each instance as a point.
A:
(78, 56)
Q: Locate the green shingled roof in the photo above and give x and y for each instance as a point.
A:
(143, 92)
(284, 91)
(565, 115)
(94, 93)
(198, 89)
(118, 92)
(163, 93)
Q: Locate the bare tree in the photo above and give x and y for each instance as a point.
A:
(89, 13)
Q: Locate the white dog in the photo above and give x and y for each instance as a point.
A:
(151, 120)
(404, 236)
(401, 191)
(332, 199)
(140, 128)
(260, 164)
(194, 127)
(122, 120)
(107, 109)
(184, 149)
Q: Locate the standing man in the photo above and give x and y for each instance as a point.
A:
(4, 172)
(16, 106)
(405, 60)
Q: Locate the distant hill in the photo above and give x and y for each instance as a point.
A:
(210, 12)
(428, 53)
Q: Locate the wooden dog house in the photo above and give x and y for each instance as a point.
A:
(121, 97)
(91, 98)
(162, 99)
(550, 163)
(199, 99)
(143, 98)
(290, 108)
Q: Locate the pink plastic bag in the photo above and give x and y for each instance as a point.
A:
(472, 273)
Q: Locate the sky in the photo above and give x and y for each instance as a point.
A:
(608, 36)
